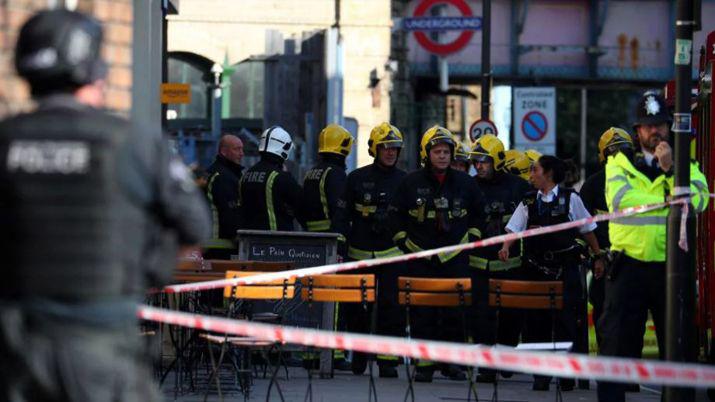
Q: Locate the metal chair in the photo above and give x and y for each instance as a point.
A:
(527, 295)
(342, 289)
(240, 300)
(430, 292)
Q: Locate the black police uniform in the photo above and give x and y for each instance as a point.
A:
(85, 198)
(222, 193)
(361, 217)
(427, 214)
(322, 186)
(502, 195)
(550, 257)
(269, 197)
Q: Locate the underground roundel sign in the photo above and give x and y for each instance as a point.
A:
(420, 23)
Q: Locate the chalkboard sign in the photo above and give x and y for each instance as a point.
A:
(304, 249)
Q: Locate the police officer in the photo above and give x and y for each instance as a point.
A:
(270, 198)
(517, 163)
(434, 207)
(461, 160)
(635, 282)
(83, 197)
(502, 193)
(553, 256)
(325, 182)
(224, 175)
(361, 219)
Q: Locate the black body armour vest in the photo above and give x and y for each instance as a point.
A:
(60, 205)
(554, 249)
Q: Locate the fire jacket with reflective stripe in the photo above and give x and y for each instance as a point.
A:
(502, 194)
(643, 236)
(427, 214)
(322, 186)
(269, 197)
(593, 195)
(222, 193)
(361, 212)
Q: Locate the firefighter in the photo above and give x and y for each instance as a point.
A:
(325, 182)
(433, 207)
(502, 193)
(553, 256)
(86, 197)
(222, 192)
(517, 163)
(461, 160)
(533, 155)
(361, 219)
(635, 281)
(269, 196)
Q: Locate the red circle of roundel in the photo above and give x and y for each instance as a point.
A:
(446, 48)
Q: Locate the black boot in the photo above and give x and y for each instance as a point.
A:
(359, 363)
(453, 372)
(424, 374)
(388, 372)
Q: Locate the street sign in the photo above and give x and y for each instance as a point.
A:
(535, 119)
(482, 127)
(175, 93)
(420, 23)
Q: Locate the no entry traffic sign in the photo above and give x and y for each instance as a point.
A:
(535, 119)
(467, 23)
(482, 127)
(534, 125)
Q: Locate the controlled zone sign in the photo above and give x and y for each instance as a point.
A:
(535, 119)
(420, 23)
(481, 127)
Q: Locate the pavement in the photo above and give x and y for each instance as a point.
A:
(346, 387)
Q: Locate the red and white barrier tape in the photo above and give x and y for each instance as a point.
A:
(545, 363)
(348, 266)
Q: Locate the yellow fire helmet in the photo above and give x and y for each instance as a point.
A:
(516, 163)
(613, 140)
(533, 155)
(461, 153)
(489, 148)
(433, 136)
(384, 134)
(335, 139)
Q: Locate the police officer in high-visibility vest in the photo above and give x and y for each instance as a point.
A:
(270, 198)
(517, 163)
(361, 219)
(502, 193)
(635, 281)
(224, 175)
(324, 183)
(552, 256)
(433, 207)
(90, 206)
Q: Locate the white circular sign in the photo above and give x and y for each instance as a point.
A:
(480, 128)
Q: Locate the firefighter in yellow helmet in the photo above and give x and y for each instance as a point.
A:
(325, 182)
(361, 220)
(462, 159)
(533, 155)
(433, 207)
(502, 192)
(517, 163)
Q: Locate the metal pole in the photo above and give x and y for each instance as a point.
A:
(584, 111)
(486, 56)
(680, 278)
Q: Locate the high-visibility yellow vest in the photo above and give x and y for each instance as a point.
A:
(642, 236)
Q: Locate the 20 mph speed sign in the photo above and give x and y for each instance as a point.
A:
(481, 127)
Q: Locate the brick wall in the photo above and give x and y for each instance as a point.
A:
(117, 18)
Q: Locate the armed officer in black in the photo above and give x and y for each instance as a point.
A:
(86, 198)
(361, 219)
(434, 207)
(269, 196)
(552, 256)
(325, 182)
(502, 193)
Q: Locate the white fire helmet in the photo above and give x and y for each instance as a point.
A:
(277, 141)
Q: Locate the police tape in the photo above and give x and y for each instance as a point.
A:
(353, 265)
(503, 358)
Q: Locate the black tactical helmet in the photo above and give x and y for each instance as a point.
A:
(651, 109)
(59, 50)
